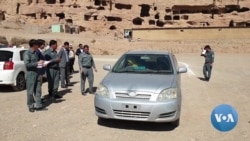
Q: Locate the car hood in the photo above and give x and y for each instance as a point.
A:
(138, 82)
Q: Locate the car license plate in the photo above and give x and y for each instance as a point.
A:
(131, 107)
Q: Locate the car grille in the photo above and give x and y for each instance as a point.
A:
(131, 114)
(137, 96)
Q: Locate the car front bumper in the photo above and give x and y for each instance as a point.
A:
(136, 110)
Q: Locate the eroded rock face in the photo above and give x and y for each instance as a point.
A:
(99, 15)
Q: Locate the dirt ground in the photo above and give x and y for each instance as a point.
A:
(72, 118)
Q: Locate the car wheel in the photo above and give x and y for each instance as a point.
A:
(20, 82)
(175, 123)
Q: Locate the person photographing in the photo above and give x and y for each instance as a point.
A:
(208, 53)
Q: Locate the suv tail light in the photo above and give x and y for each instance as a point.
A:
(9, 65)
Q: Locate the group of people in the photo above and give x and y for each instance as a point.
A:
(57, 65)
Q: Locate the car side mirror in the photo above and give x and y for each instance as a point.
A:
(182, 69)
(107, 67)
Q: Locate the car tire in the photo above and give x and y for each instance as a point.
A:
(20, 82)
(176, 123)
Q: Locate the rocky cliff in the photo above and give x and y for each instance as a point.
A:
(100, 16)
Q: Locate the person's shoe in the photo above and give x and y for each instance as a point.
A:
(91, 92)
(32, 110)
(208, 79)
(69, 84)
(57, 96)
(41, 109)
(84, 94)
(63, 86)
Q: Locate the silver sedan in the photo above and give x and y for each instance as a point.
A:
(141, 86)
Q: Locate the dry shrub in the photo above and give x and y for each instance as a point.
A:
(19, 41)
(3, 40)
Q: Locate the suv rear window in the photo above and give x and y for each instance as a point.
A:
(5, 56)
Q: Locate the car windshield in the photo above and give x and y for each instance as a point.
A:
(144, 63)
(5, 56)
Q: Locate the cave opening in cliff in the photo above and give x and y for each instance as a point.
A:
(51, 1)
(60, 15)
(168, 10)
(62, 1)
(17, 8)
(184, 17)
(95, 17)
(104, 3)
(145, 10)
(32, 15)
(29, 2)
(69, 21)
(160, 23)
(112, 27)
(101, 8)
(97, 2)
(87, 17)
(151, 22)
(44, 15)
(157, 16)
(2, 16)
(111, 18)
(137, 21)
(176, 17)
(168, 17)
(123, 6)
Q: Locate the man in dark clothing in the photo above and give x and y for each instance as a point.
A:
(209, 60)
(79, 50)
(71, 59)
(52, 70)
(39, 51)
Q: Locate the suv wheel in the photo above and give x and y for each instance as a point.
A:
(20, 82)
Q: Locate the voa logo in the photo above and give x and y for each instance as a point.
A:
(224, 117)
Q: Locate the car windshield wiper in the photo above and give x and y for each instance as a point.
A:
(147, 71)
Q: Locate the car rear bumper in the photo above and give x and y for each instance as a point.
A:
(150, 111)
(7, 78)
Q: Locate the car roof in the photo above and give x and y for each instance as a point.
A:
(148, 52)
(13, 49)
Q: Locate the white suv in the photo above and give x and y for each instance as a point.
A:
(12, 68)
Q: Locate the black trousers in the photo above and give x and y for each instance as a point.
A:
(71, 65)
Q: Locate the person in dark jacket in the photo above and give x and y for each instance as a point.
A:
(52, 70)
(79, 50)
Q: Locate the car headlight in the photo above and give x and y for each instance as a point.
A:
(102, 90)
(167, 94)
